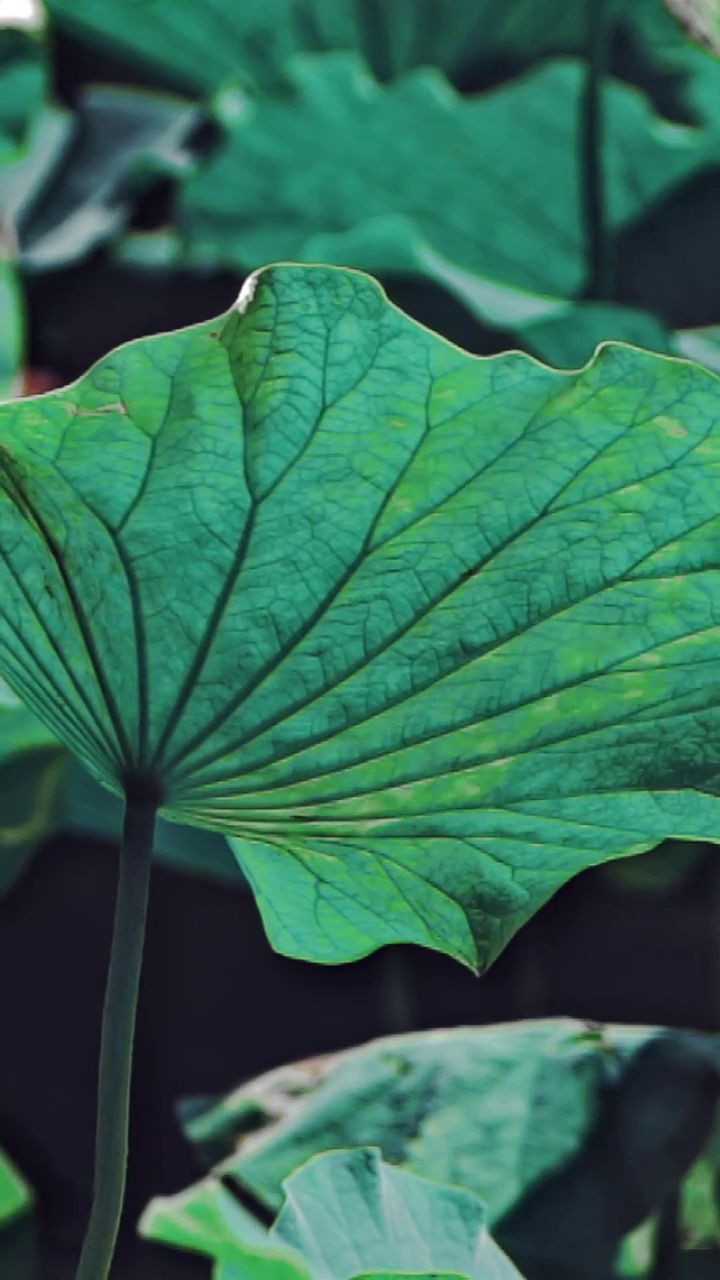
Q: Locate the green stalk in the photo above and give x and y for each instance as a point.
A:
(118, 1030)
(592, 139)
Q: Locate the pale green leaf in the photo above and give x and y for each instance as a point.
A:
(426, 634)
(346, 1215)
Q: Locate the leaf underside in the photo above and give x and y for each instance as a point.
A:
(426, 634)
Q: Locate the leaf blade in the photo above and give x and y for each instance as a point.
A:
(429, 633)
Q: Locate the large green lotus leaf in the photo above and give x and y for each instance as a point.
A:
(200, 45)
(427, 634)
(492, 184)
(347, 1215)
(571, 1136)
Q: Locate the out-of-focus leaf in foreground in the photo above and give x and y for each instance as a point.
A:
(426, 634)
(346, 1215)
(344, 170)
(571, 1135)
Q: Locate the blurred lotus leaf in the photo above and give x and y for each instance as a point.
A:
(571, 1134)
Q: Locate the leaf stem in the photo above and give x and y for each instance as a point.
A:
(592, 140)
(117, 1040)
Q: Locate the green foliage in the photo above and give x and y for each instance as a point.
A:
(571, 1136)
(346, 1214)
(198, 46)
(415, 724)
(491, 184)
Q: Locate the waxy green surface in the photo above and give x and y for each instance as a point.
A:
(425, 634)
